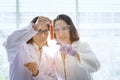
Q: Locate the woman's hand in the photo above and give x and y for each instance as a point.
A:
(66, 48)
(42, 21)
(33, 67)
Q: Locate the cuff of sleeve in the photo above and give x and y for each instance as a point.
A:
(30, 28)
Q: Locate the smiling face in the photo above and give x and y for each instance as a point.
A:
(62, 31)
(41, 37)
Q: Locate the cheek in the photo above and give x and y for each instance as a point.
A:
(68, 35)
(45, 37)
(35, 38)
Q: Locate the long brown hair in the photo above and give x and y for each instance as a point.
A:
(73, 32)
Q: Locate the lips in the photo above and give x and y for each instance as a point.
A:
(42, 40)
(62, 38)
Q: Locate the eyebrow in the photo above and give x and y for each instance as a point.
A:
(66, 26)
(43, 30)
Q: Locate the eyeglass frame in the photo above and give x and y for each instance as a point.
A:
(64, 29)
(43, 31)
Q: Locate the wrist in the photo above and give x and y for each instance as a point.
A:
(73, 52)
(35, 27)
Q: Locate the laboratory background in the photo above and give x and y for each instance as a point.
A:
(97, 21)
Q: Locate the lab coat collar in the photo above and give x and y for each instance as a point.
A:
(75, 43)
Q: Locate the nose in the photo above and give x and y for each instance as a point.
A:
(42, 34)
(61, 32)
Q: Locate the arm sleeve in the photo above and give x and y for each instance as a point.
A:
(45, 77)
(88, 59)
(19, 37)
(17, 40)
(49, 74)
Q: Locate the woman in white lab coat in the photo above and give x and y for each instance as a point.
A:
(26, 55)
(75, 60)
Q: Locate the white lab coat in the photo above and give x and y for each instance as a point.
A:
(19, 53)
(75, 69)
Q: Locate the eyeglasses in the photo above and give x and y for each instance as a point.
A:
(63, 29)
(43, 31)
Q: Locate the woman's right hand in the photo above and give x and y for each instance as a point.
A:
(33, 67)
(42, 21)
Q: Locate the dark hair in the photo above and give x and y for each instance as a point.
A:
(73, 32)
(34, 19)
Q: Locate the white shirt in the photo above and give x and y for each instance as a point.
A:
(19, 53)
(73, 69)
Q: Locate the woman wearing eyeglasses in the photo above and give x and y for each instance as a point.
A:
(75, 60)
(26, 55)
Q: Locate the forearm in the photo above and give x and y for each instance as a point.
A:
(90, 62)
(20, 36)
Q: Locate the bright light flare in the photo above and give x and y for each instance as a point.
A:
(52, 49)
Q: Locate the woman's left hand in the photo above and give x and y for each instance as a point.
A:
(33, 67)
(66, 48)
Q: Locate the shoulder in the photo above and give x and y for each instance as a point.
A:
(81, 45)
